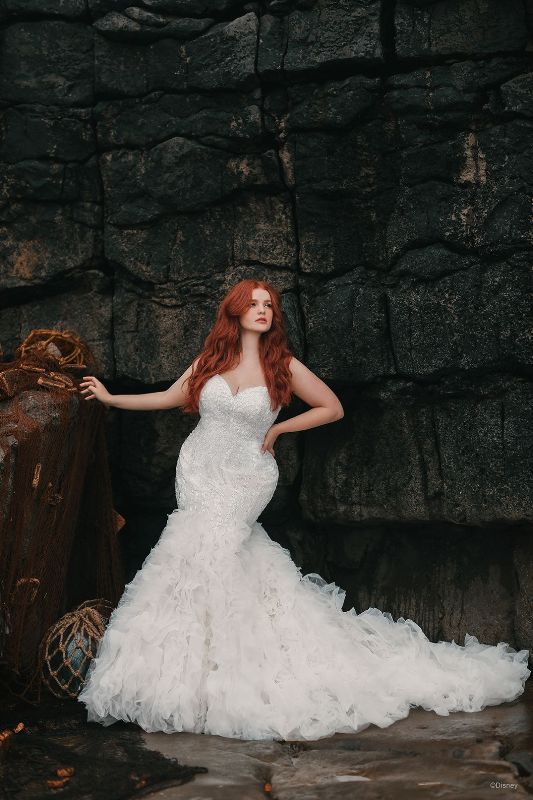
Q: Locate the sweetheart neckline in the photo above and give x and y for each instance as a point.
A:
(238, 392)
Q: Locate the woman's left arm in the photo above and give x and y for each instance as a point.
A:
(326, 406)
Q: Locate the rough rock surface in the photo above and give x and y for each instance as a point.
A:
(471, 756)
(373, 159)
(468, 756)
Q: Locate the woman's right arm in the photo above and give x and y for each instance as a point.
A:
(173, 397)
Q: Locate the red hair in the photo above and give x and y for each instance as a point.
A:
(222, 346)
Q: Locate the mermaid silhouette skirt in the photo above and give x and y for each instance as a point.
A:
(219, 632)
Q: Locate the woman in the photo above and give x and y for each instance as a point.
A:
(219, 632)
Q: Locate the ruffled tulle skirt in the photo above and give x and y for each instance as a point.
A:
(220, 633)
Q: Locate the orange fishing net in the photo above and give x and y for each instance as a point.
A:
(58, 528)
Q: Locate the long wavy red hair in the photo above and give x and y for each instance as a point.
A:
(222, 346)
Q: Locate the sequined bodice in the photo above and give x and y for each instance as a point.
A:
(221, 469)
(246, 414)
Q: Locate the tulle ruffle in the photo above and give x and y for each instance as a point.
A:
(220, 633)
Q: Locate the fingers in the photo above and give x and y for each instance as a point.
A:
(89, 384)
(267, 448)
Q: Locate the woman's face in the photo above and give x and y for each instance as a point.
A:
(259, 315)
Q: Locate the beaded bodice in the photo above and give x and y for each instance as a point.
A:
(246, 413)
(221, 470)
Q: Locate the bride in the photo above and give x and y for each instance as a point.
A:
(219, 632)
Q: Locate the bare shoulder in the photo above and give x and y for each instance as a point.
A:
(190, 369)
(310, 388)
(296, 367)
(176, 395)
(301, 375)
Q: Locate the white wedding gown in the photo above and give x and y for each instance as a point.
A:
(220, 633)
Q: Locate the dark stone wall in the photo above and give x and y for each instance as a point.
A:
(372, 159)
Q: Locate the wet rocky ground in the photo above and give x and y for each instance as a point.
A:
(483, 755)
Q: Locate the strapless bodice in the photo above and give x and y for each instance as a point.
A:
(221, 469)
